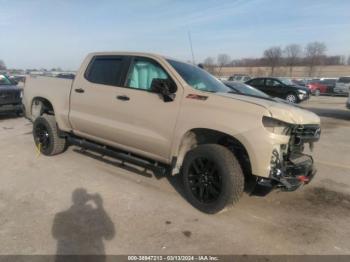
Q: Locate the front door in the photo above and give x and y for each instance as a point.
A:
(126, 113)
(258, 83)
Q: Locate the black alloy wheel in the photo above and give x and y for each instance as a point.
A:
(205, 180)
(46, 138)
(42, 136)
(212, 178)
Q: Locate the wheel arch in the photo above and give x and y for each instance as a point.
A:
(47, 105)
(199, 136)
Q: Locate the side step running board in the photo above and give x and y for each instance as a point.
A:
(158, 169)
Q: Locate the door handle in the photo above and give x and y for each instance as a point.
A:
(79, 90)
(123, 98)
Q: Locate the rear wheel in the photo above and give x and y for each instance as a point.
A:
(292, 98)
(212, 178)
(46, 137)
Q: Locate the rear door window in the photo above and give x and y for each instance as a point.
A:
(257, 82)
(272, 83)
(105, 70)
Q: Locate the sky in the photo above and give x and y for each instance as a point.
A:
(59, 33)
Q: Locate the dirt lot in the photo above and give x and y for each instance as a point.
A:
(143, 214)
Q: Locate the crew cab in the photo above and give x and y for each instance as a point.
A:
(168, 115)
(281, 88)
(10, 96)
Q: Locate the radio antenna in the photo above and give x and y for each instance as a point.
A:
(190, 40)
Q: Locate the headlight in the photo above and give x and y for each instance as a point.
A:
(21, 94)
(276, 126)
(302, 91)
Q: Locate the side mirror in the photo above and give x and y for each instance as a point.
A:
(165, 87)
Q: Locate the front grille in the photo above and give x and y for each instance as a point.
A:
(307, 133)
(9, 96)
(304, 134)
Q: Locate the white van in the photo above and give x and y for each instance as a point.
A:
(342, 86)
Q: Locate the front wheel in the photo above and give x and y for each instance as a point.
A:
(317, 92)
(46, 138)
(292, 98)
(212, 178)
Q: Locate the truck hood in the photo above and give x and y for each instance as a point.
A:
(280, 110)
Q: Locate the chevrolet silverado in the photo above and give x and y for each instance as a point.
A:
(165, 114)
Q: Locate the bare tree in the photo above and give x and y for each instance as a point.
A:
(223, 60)
(342, 60)
(314, 52)
(2, 65)
(292, 53)
(273, 56)
(209, 65)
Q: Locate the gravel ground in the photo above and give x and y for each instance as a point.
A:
(123, 210)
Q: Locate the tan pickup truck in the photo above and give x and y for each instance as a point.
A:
(168, 115)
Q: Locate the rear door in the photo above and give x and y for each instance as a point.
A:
(93, 109)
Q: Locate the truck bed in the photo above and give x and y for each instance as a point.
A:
(56, 90)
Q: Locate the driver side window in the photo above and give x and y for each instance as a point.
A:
(142, 72)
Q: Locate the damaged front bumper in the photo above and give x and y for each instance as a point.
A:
(289, 175)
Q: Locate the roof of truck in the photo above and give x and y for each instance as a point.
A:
(146, 54)
(125, 53)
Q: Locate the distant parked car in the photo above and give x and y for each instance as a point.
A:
(317, 87)
(242, 88)
(66, 76)
(299, 82)
(342, 86)
(330, 83)
(280, 87)
(239, 78)
(10, 96)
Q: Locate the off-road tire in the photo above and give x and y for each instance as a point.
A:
(56, 144)
(229, 170)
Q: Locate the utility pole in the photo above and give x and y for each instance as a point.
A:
(190, 40)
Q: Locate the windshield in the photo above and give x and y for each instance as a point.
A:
(4, 80)
(198, 78)
(246, 90)
(286, 81)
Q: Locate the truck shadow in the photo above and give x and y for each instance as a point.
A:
(82, 228)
